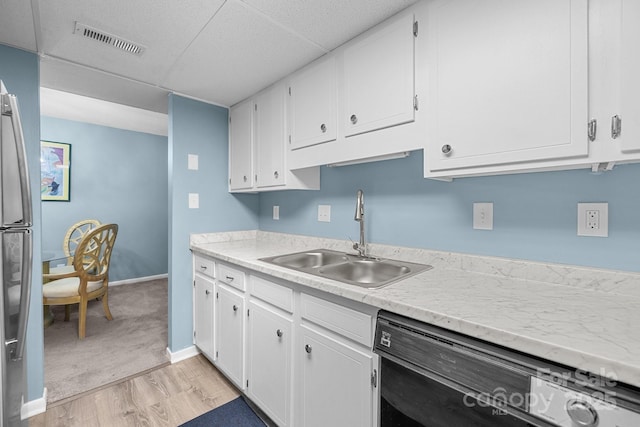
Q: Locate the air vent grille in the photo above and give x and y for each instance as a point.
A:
(110, 39)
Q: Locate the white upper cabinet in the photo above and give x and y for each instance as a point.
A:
(507, 83)
(312, 104)
(270, 136)
(257, 146)
(379, 79)
(241, 146)
(629, 114)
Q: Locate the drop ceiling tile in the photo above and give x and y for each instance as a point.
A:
(165, 28)
(79, 80)
(329, 23)
(239, 52)
(16, 25)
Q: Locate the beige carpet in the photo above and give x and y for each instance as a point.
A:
(134, 341)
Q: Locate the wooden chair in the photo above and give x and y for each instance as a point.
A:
(90, 278)
(71, 240)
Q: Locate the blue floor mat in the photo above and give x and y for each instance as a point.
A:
(233, 414)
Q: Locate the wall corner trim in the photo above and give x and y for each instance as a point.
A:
(34, 407)
(183, 354)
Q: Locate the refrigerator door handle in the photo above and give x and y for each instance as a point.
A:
(22, 160)
(16, 345)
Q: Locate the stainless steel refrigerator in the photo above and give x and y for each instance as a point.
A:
(15, 256)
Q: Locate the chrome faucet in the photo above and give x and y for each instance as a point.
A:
(361, 247)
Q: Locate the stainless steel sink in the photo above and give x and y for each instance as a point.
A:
(366, 272)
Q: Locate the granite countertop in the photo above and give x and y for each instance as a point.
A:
(581, 317)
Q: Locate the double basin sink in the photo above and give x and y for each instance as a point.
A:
(367, 272)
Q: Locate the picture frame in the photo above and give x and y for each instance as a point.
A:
(55, 171)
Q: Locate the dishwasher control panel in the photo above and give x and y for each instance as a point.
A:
(565, 407)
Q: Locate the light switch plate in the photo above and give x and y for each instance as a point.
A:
(194, 200)
(324, 213)
(192, 162)
(483, 216)
(593, 219)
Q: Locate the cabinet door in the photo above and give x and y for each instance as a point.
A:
(313, 100)
(203, 315)
(379, 79)
(270, 137)
(336, 385)
(630, 70)
(230, 333)
(240, 146)
(269, 361)
(507, 82)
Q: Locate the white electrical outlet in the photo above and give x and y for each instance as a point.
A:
(276, 212)
(483, 216)
(593, 219)
(324, 213)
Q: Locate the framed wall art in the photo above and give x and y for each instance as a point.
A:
(55, 171)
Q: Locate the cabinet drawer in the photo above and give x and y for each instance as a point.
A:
(277, 295)
(231, 276)
(341, 320)
(204, 265)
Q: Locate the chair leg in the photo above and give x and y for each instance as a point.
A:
(82, 319)
(105, 305)
(67, 312)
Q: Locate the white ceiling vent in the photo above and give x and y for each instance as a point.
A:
(110, 39)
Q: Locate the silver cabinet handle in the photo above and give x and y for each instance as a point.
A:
(235, 307)
(323, 128)
(203, 267)
(230, 278)
(307, 348)
(245, 178)
(354, 119)
(616, 126)
(275, 175)
(279, 333)
(446, 149)
(207, 291)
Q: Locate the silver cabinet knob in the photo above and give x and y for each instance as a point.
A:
(323, 128)
(354, 119)
(235, 307)
(582, 413)
(245, 178)
(275, 175)
(207, 291)
(307, 348)
(446, 149)
(279, 333)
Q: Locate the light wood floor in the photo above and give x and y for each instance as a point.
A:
(167, 396)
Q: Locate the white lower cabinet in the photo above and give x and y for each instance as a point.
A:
(335, 382)
(269, 366)
(229, 333)
(305, 360)
(203, 299)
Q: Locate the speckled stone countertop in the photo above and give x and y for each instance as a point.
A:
(582, 317)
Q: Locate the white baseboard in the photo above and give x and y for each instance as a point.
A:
(34, 407)
(182, 354)
(138, 280)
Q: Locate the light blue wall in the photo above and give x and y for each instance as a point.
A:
(201, 129)
(534, 214)
(21, 74)
(117, 176)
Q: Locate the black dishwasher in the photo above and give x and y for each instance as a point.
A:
(433, 377)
